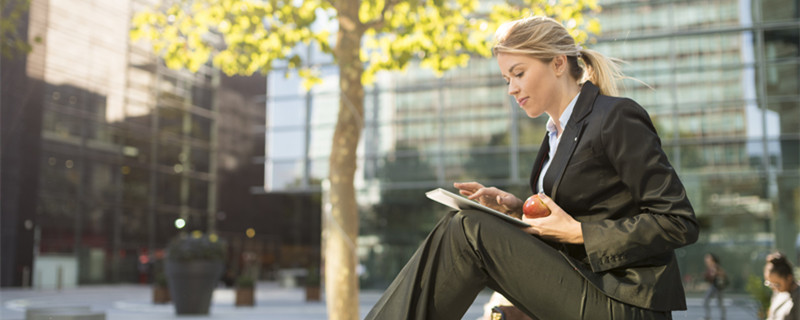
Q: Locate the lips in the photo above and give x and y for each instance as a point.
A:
(522, 101)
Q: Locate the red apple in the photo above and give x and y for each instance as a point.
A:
(535, 208)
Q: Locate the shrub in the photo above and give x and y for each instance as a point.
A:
(196, 246)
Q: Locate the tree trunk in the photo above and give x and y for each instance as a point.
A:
(341, 281)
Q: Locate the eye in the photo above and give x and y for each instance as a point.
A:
(519, 75)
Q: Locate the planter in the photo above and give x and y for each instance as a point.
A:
(312, 284)
(160, 295)
(313, 294)
(192, 283)
(245, 297)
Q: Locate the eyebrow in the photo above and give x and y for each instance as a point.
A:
(514, 66)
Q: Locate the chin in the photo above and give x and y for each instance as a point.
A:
(532, 114)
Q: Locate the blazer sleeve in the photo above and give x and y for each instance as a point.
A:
(665, 219)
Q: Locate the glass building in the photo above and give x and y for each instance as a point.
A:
(722, 87)
(127, 146)
(104, 148)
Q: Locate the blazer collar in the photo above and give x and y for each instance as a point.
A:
(583, 106)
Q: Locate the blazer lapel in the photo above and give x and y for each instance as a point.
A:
(566, 146)
(569, 139)
(544, 150)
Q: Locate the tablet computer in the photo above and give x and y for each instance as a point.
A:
(458, 202)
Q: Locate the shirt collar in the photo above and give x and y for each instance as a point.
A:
(551, 125)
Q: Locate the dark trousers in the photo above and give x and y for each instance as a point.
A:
(468, 251)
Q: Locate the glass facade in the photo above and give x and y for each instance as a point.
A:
(720, 80)
(126, 146)
(104, 148)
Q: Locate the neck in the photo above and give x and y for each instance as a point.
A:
(569, 92)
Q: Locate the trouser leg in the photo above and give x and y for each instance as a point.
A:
(438, 282)
(470, 250)
(707, 302)
(536, 278)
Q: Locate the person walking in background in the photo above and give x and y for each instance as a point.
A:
(718, 280)
(779, 276)
(618, 208)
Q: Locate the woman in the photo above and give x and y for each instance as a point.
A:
(785, 301)
(618, 207)
(716, 278)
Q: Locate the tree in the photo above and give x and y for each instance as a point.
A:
(372, 35)
(12, 41)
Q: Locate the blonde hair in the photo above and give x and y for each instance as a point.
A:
(544, 38)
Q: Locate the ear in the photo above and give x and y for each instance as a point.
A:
(559, 64)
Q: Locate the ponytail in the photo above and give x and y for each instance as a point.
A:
(602, 71)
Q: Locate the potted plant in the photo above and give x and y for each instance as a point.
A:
(312, 284)
(760, 293)
(193, 266)
(160, 289)
(245, 291)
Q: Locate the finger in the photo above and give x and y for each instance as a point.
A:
(462, 184)
(463, 188)
(477, 194)
(501, 201)
(507, 199)
(472, 185)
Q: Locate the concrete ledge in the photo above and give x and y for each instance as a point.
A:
(63, 313)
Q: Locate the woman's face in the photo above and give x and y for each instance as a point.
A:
(533, 83)
(780, 284)
(767, 270)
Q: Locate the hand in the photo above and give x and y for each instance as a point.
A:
(559, 226)
(491, 197)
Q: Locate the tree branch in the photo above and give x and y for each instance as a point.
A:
(378, 23)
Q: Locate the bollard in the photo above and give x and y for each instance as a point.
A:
(26, 277)
(59, 277)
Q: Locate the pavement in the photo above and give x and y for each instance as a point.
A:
(134, 302)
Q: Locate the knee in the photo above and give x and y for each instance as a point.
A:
(474, 224)
(473, 218)
(463, 225)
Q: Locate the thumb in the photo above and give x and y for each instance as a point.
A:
(506, 199)
(501, 200)
(546, 200)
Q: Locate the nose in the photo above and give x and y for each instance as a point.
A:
(513, 89)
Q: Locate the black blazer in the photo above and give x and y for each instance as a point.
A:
(611, 174)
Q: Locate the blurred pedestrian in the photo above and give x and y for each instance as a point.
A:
(717, 280)
(779, 276)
